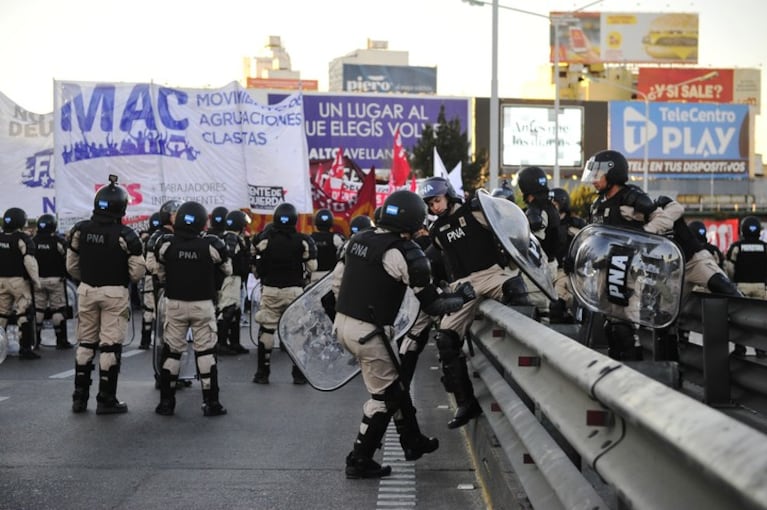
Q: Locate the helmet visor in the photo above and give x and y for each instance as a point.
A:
(594, 170)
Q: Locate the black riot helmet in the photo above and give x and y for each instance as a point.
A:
(750, 227)
(532, 181)
(14, 219)
(46, 224)
(359, 223)
(611, 164)
(237, 220)
(323, 220)
(377, 214)
(505, 191)
(218, 217)
(285, 216)
(111, 200)
(562, 199)
(191, 218)
(154, 222)
(698, 228)
(436, 186)
(167, 210)
(403, 211)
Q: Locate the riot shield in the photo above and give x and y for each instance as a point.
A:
(511, 228)
(3, 345)
(627, 274)
(306, 333)
(255, 302)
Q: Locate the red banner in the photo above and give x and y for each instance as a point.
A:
(663, 84)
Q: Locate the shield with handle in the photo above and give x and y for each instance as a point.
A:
(306, 334)
(510, 226)
(627, 274)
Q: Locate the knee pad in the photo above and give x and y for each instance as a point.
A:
(448, 344)
(228, 314)
(395, 396)
(720, 284)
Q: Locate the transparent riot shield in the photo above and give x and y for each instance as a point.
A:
(511, 228)
(306, 333)
(627, 274)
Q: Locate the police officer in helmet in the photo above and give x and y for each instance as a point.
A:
(105, 256)
(389, 261)
(190, 304)
(699, 230)
(230, 292)
(283, 259)
(328, 243)
(19, 276)
(51, 297)
(217, 222)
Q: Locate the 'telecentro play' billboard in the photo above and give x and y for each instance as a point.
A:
(682, 140)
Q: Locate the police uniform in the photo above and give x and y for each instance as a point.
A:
(283, 259)
(569, 226)
(105, 256)
(190, 305)
(328, 243)
(147, 283)
(384, 260)
(18, 271)
(51, 296)
(746, 260)
(229, 310)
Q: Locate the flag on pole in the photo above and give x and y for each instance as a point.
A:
(366, 197)
(454, 176)
(400, 167)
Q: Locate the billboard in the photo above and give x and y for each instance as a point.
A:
(594, 37)
(364, 125)
(682, 140)
(389, 79)
(528, 135)
(700, 85)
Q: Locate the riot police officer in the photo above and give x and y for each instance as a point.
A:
(147, 287)
(105, 256)
(328, 243)
(229, 311)
(569, 226)
(51, 297)
(389, 261)
(470, 253)
(698, 228)
(189, 304)
(283, 258)
(18, 270)
(543, 218)
(746, 260)
(217, 222)
(165, 217)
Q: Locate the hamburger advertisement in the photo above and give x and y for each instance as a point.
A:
(593, 37)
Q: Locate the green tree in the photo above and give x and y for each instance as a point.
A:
(453, 146)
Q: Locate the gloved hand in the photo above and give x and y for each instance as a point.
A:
(568, 265)
(329, 305)
(466, 292)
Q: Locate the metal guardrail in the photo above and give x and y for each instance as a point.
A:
(656, 447)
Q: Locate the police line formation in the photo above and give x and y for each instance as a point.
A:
(442, 246)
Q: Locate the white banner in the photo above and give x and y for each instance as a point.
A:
(218, 147)
(26, 151)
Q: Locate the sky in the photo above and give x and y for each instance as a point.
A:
(200, 44)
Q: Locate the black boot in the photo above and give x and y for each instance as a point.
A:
(460, 383)
(82, 387)
(106, 400)
(264, 365)
(359, 462)
(62, 342)
(167, 404)
(27, 341)
(146, 335)
(298, 376)
(210, 404)
(223, 332)
(414, 443)
(234, 335)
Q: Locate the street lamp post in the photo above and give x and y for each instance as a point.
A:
(493, 159)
